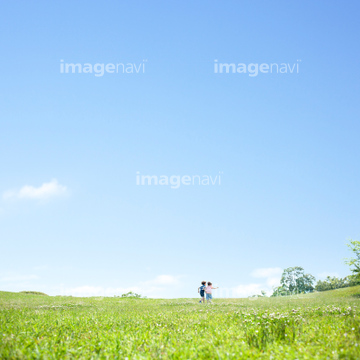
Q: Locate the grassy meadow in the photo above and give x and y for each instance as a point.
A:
(322, 325)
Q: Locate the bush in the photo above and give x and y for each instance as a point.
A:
(132, 295)
(33, 293)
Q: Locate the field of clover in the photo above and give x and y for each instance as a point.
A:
(322, 325)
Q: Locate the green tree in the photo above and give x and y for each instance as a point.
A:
(131, 294)
(353, 280)
(331, 283)
(294, 280)
(354, 262)
(280, 291)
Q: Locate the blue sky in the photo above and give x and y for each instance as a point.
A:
(72, 218)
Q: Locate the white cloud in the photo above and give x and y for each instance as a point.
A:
(270, 278)
(273, 281)
(86, 290)
(156, 288)
(83, 291)
(45, 191)
(247, 290)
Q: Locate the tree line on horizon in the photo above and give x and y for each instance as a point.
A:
(294, 280)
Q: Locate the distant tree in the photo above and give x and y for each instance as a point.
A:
(280, 291)
(332, 283)
(33, 293)
(294, 280)
(354, 262)
(131, 294)
(263, 293)
(353, 280)
(305, 283)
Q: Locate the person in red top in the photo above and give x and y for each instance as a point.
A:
(208, 291)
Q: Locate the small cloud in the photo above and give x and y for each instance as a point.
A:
(156, 287)
(43, 192)
(85, 290)
(273, 281)
(17, 278)
(271, 277)
(247, 290)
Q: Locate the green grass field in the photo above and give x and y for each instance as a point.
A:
(315, 326)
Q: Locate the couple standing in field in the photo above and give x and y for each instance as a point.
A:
(206, 289)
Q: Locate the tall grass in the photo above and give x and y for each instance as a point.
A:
(314, 326)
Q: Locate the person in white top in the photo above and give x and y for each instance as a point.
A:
(208, 291)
